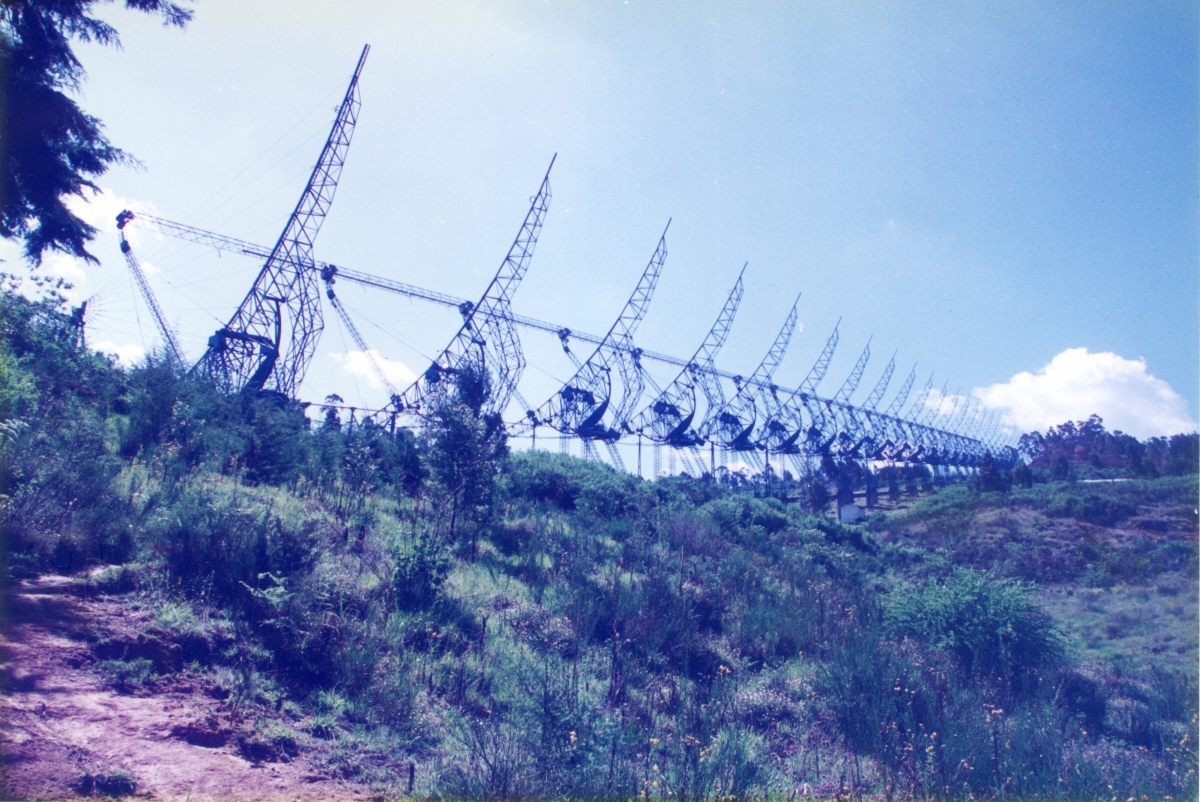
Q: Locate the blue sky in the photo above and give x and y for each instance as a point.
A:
(983, 187)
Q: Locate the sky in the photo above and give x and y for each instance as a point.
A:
(1005, 194)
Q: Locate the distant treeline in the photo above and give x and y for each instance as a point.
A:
(1087, 444)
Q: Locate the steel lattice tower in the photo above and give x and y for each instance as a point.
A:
(488, 339)
(581, 406)
(270, 340)
(670, 417)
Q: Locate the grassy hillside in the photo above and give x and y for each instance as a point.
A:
(1114, 562)
(426, 607)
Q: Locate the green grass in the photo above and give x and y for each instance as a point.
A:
(1131, 623)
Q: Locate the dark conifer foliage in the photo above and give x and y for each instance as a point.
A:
(51, 149)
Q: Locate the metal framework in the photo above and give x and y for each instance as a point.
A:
(270, 340)
(897, 404)
(355, 335)
(731, 426)
(801, 414)
(174, 352)
(796, 422)
(669, 418)
(488, 341)
(589, 406)
(851, 383)
(881, 386)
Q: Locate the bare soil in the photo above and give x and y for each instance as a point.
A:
(65, 730)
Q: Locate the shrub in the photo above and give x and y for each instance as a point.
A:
(277, 446)
(419, 575)
(60, 507)
(112, 784)
(990, 626)
(322, 726)
(1090, 507)
(127, 675)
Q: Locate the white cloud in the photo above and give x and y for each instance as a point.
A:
(127, 353)
(1076, 384)
(101, 210)
(356, 363)
(54, 265)
(64, 266)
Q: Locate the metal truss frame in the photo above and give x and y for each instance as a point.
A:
(270, 340)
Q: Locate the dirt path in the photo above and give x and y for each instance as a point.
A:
(59, 720)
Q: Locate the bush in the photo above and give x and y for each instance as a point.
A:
(60, 507)
(1090, 507)
(419, 575)
(990, 626)
(112, 784)
(277, 445)
(127, 675)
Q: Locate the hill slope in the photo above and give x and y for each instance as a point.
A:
(424, 610)
(74, 724)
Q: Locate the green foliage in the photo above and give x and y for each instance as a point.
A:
(17, 391)
(559, 482)
(1091, 507)
(1022, 476)
(1086, 448)
(127, 675)
(420, 572)
(281, 737)
(464, 448)
(990, 479)
(1053, 532)
(55, 466)
(949, 511)
(113, 784)
(533, 625)
(323, 726)
(149, 400)
(991, 627)
(52, 147)
(277, 443)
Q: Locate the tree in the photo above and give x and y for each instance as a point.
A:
(466, 447)
(990, 478)
(1022, 475)
(1183, 455)
(1060, 467)
(51, 148)
(813, 495)
(333, 422)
